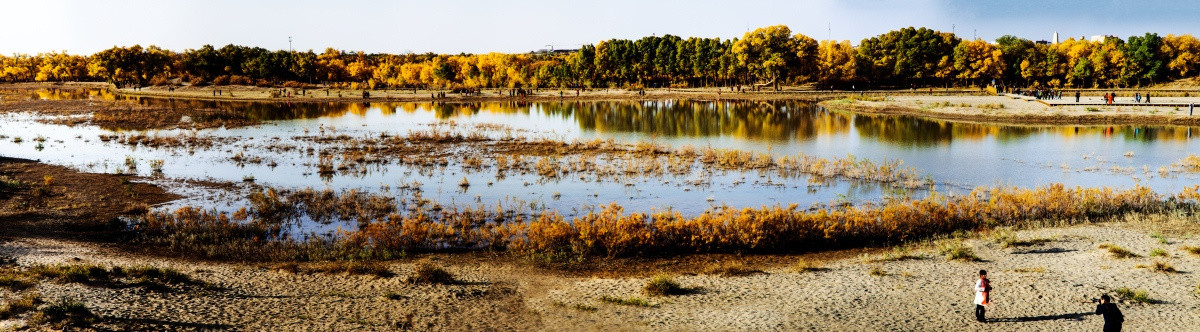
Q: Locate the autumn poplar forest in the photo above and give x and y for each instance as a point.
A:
(774, 55)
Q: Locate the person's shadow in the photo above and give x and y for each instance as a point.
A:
(1075, 316)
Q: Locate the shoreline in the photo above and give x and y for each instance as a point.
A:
(1009, 111)
(962, 105)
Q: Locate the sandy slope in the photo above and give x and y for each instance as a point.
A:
(1039, 287)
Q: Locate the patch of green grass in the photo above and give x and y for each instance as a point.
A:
(430, 273)
(1116, 251)
(1135, 295)
(663, 285)
(1161, 239)
(1158, 252)
(25, 303)
(630, 301)
(957, 251)
(65, 312)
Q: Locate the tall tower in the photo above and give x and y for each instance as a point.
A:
(1056, 37)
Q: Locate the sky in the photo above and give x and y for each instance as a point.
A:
(516, 26)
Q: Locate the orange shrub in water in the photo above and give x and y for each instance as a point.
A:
(610, 231)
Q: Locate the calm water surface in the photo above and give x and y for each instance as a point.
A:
(956, 155)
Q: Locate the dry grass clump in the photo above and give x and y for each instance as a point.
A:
(804, 265)
(1008, 238)
(1036, 269)
(65, 312)
(1159, 266)
(664, 285)
(630, 301)
(15, 281)
(26, 303)
(430, 273)
(1191, 250)
(958, 251)
(98, 275)
(1116, 251)
(372, 268)
(877, 271)
(730, 269)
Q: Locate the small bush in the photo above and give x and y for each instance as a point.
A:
(1192, 250)
(663, 285)
(24, 304)
(240, 80)
(159, 81)
(1159, 266)
(1117, 251)
(197, 81)
(958, 252)
(65, 312)
(1158, 252)
(631, 301)
(1135, 295)
(430, 273)
(877, 272)
(221, 80)
(152, 274)
(14, 281)
(78, 273)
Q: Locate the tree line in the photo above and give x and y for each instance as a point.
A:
(908, 57)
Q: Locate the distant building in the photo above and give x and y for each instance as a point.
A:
(1056, 37)
(1101, 38)
(555, 51)
(1042, 42)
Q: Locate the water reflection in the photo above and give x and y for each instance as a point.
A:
(768, 121)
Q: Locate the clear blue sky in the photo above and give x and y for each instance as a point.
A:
(479, 26)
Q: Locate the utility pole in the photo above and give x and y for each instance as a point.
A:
(829, 31)
(290, 49)
(952, 29)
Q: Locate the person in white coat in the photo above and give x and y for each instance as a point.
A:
(983, 287)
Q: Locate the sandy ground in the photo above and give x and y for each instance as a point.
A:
(1018, 110)
(1037, 288)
